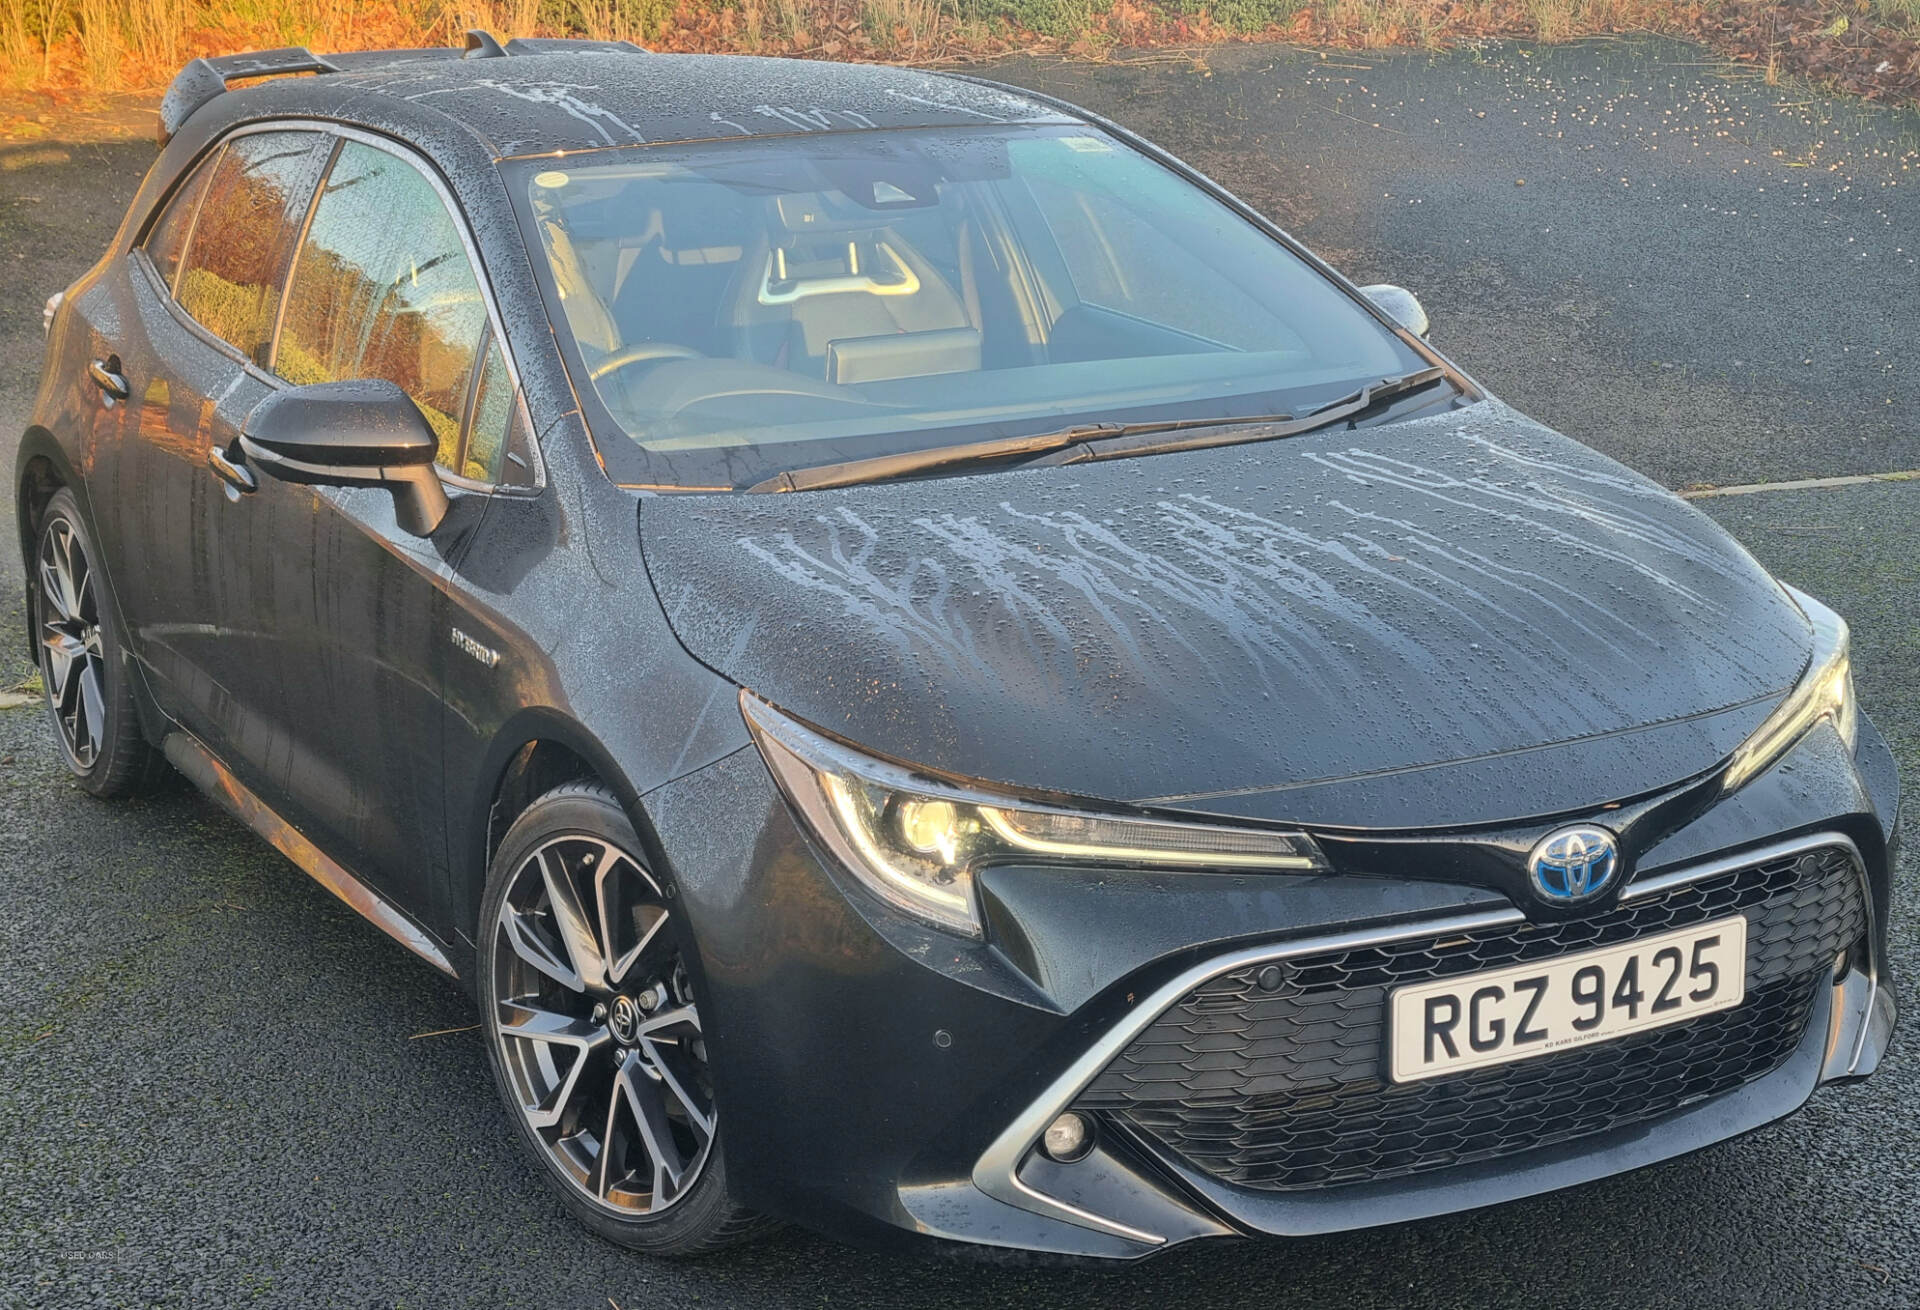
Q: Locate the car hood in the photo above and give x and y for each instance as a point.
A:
(1456, 619)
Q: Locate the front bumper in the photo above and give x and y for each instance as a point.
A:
(885, 1082)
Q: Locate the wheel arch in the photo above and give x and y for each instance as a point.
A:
(538, 749)
(41, 469)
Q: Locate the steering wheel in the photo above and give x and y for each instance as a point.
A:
(640, 353)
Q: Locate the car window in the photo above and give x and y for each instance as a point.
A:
(168, 237)
(1129, 246)
(257, 195)
(497, 438)
(382, 288)
(738, 308)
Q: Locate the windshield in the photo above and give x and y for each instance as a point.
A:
(748, 308)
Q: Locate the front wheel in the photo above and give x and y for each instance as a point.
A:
(595, 1031)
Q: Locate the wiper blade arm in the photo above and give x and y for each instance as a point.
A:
(1128, 441)
(1093, 441)
(1378, 393)
(881, 468)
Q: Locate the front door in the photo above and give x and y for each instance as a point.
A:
(382, 286)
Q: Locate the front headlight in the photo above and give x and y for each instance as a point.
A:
(1824, 692)
(917, 841)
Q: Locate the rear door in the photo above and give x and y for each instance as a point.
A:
(207, 293)
(298, 631)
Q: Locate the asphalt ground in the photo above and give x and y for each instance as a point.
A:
(219, 1087)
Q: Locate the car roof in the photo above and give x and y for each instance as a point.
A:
(534, 104)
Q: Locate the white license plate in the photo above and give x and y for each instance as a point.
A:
(1558, 1004)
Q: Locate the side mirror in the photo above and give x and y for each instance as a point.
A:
(364, 433)
(1402, 306)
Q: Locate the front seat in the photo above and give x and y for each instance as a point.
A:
(789, 303)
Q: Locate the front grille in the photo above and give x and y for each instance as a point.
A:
(1283, 1087)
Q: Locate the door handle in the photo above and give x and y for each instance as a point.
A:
(107, 376)
(238, 477)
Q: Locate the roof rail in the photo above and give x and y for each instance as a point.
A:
(204, 80)
(554, 45)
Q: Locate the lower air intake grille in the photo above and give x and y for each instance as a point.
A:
(1283, 1089)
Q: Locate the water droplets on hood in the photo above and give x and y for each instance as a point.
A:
(1433, 590)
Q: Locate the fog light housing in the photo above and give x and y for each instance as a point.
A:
(1068, 1138)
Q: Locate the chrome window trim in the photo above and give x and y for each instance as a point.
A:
(424, 168)
(997, 1172)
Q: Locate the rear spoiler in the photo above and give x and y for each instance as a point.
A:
(205, 80)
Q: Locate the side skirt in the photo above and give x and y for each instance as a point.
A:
(212, 777)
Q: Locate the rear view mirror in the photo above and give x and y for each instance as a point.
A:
(363, 433)
(1401, 305)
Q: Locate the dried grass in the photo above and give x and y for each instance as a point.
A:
(139, 44)
(914, 28)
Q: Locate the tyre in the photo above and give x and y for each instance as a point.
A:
(83, 664)
(594, 1029)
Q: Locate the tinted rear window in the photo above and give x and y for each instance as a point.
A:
(255, 201)
(168, 238)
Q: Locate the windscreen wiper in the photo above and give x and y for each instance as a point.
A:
(883, 468)
(1157, 438)
(1094, 441)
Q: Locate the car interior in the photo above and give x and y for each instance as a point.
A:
(712, 303)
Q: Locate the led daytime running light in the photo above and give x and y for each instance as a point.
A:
(917, 842)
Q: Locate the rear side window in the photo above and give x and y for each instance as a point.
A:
(382, 288)
(168, 238)
(255, 200)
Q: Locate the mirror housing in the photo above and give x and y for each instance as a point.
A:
(1401, 305)
(361, 433)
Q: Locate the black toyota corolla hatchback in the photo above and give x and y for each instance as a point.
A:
(935, 675)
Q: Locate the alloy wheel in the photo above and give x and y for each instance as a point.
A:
(72, 650)
(597, 1027)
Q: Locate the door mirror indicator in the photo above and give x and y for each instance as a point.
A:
(1401, 305)
(361, 433)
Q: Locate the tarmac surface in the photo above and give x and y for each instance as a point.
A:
(220, 1087)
